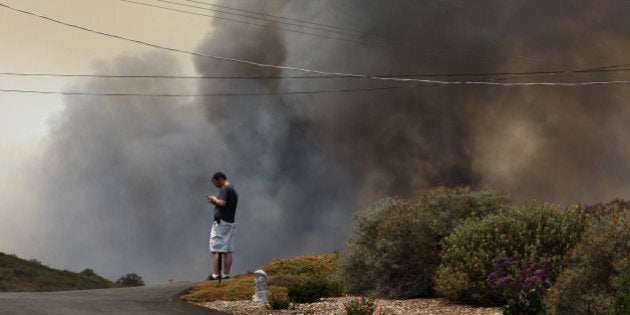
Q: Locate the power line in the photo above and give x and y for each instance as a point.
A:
(517, 84)
(290, 68)
(355, 34)
(211, 94)
(563, 84)
(385, 41)
(277, 16)
(255, 24)
(613, 68)
(148, 76)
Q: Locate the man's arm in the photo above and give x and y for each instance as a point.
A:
(216, 201)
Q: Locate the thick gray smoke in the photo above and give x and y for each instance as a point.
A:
(124, 180)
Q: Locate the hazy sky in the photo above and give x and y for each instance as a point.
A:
(117, 184)
(34, 45)
(31, 44)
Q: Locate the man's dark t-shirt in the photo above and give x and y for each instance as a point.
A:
(226, 213)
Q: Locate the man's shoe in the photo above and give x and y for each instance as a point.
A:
(213, 277)
(225, 277)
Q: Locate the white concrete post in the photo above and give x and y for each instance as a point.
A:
(261, 286)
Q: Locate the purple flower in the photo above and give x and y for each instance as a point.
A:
(540, 273)
(506, 282)
(532, 275)
(532, 282)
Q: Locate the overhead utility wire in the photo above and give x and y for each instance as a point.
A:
(212, 94)
(356, 34)
(255, 24)
(363, 34)
(277, 16)
(613, 68)
(263, 65)
(148, 76)
(289, 92)
(384, 41)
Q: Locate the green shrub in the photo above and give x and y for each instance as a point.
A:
(621, 302)
(394, 249)
(532, 232)
(312, 290)
(88, 273)
(130, 280)
(335, 289)
(279, 302)
(587, 284)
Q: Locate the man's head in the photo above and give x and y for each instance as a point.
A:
(219, 179)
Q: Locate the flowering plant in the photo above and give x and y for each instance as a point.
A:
(524, 287)
(280, 302)
(363, 306)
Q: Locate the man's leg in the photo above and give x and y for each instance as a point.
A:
(215, 245)
(227, 263)
(227, 256)
(215, 263)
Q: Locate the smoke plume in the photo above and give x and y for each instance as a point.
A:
(123, 183)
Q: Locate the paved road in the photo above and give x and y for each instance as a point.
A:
(156, 299)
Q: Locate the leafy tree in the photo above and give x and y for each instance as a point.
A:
(130, 280)
(88, 272)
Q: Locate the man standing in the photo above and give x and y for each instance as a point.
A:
(223, 228)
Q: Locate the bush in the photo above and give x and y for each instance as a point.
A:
(335, 289)
(532, 232)
(130, 280)
(587, 284)
(88, 273)
(394, 249)
(312, 290)
(280, 302)
(621, 303)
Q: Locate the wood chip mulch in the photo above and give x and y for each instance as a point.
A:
(335, 306)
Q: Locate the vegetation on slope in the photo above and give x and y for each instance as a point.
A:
(19, 275)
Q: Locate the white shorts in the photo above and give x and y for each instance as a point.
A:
(222, 237)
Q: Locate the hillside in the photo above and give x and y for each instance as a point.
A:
(19, 275)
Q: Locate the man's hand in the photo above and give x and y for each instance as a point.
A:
(216, 201)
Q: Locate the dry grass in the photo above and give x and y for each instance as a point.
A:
(241, 287)
(304, 266)
(238, 287)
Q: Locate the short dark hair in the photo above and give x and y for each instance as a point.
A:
(218, 175)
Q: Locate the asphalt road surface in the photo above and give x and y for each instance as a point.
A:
(155, 299)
